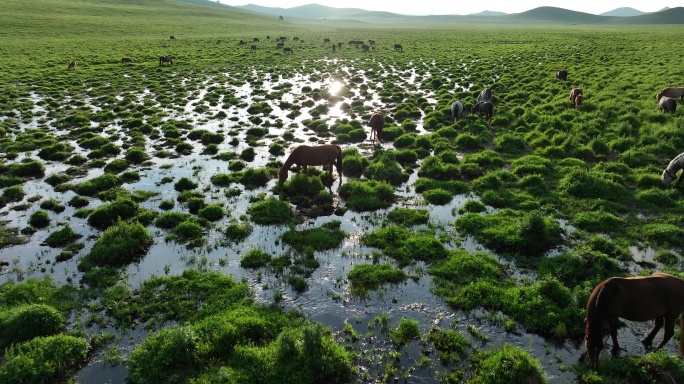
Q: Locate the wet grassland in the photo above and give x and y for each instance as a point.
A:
(144, 225)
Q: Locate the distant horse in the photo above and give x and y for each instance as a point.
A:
(334, 47)
(165, 59)
(125, 60)
(659, 296)
(670, 173)
(172, 37)
(671, 92)
(287, 50)
(376, 122)
(242, 42)
(574, 92)
(485, 95)
(562, 75)
(254, 47)
(484, 107)
(72, 65)
(256, 40)
(578, 101)
(667, 104)
(398, 47)
(339, 44)
(326, 40)
(365, 47)
(458, 111)
(280, 45)
(305, 155)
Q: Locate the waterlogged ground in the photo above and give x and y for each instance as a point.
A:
(288, 100)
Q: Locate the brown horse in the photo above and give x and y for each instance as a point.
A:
(376, 122)
(72, 66)
(578, 101)
(305, 155)
(641, 298)
(562, 74)
(674, 92)
(126, 60)
(573, 94)
(165, 59)
(398, 47)
(172, 37)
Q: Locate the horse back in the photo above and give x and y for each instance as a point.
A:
(376, 121)
(643, 298)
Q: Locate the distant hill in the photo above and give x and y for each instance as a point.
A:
(309, 11)
(558, 15)
(488, 13)
(541, 15)
(623, 12)
(668, 16)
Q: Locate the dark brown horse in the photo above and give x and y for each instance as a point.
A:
(287, 50)
(562, 74)
(125, 60)
(376, 122)
(486, 108)
(254, 47)
(305, 155)
(398, 47)
(667, 104)
(641, 298)
(165, 59)
(72, 65)
(172, 37)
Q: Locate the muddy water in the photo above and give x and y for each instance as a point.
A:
(328, 298)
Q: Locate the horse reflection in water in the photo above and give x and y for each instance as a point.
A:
(305, 155)
(659, 296)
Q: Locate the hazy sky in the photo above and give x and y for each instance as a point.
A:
(464, 7)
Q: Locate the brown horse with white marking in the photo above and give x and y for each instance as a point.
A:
(305, 155)
(641, 298)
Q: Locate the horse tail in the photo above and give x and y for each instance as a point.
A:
(339, 163)
(681, 335)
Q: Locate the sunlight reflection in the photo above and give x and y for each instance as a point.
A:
(335, 87)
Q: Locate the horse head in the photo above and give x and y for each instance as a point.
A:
(593, 344)
(282, 174)
(667, 178)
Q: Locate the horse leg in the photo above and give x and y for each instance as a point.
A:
(658, 323)
(669, 330)
(613, 323)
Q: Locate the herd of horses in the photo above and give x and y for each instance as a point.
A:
(658, 297)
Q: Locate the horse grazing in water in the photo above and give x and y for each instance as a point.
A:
(484, 107)
(165, 59)
(670, 173)
(485, 95)
(667, 104)
(305, 155)
(72, 66)
(376, 122)
(641, 298)
(562, 74)
(458, 111)
(125, 60)
(574, 92)
(674, 92)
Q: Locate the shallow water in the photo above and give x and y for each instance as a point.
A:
(328, 298)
